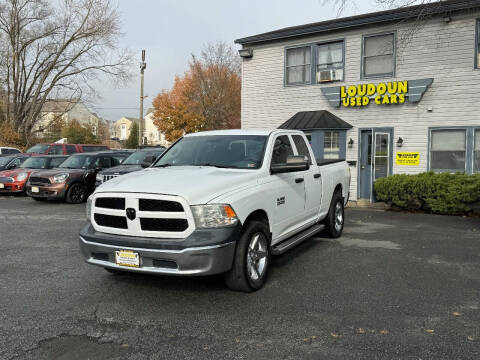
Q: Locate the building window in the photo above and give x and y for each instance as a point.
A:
(298, 66)
(330, 62)
(448, 150)
(477, 45)
(378, 55)
(331, 145)
(476, 151)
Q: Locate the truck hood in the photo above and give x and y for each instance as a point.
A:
(121, 169)
(197, 184)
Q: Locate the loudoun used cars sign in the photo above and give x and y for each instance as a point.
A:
(394, 92)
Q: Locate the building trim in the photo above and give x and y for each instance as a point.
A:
(403, 13)
(476, 65)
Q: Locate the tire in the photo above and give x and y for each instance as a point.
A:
(76, 194)
(335, 219)
(251, 259)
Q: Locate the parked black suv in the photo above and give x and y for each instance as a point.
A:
(138, 160)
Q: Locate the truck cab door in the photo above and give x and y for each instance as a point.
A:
(288, 191)
(313, 181)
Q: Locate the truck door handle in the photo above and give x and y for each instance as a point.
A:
(362, 167)
(298, 180)
(316, 176)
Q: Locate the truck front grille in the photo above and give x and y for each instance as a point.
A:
(174, 225)
(110, 203)
(39, 180)
(108, 177)
(149, 215)
(119, 222)
(159, 205)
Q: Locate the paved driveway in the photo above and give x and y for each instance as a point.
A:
(395, 286)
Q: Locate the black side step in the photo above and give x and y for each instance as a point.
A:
(297, 239)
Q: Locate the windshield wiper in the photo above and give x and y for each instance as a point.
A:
(217, 166)
(164, 165)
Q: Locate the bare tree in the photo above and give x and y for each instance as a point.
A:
(410, 25)
(56, 50)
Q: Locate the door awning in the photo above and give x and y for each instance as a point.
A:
(310, 120)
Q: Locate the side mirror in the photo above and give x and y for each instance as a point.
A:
(11, 166)
(293, 164)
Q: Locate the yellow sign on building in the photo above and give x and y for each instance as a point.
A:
(384, 93)
(408, 158)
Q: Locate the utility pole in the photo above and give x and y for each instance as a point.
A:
(143, 66)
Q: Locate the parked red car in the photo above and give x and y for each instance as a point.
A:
(65, 149)
(14, 180)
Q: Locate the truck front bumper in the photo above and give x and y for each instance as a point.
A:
(212, 255)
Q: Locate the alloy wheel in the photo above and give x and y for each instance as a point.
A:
(257, 256)
(338, 216)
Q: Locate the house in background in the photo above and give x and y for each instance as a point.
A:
(153, 135)
(121, 128)
(67, 110)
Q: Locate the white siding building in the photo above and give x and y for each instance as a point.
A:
(428, 69)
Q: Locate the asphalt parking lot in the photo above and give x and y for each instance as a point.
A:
(395, 286)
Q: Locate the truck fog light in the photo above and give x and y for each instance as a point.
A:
(212, 216)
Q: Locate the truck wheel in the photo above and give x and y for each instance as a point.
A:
(252, 258)
(336, 217)
(76, 194)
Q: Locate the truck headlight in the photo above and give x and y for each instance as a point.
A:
(99, 177)
(22, 176)
(60, 178)
(89, 207)
(212, 216)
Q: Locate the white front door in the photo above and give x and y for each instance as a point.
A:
(288, 190)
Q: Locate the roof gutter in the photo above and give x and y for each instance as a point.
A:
(411, 12)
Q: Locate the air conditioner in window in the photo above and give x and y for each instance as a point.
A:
(329, 75)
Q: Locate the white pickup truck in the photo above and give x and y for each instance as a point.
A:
(216, 202)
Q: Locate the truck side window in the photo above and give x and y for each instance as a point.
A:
(281, 149)
(302, 147)
(71, 149)
(56, 150)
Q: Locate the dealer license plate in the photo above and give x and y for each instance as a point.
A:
(35, 189)
(2, 186)
(127, 258)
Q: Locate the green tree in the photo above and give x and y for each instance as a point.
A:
(132, 140)
(78, 134)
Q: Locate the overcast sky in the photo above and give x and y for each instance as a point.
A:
(171, 30)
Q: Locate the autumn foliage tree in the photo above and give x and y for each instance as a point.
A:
(206, 97)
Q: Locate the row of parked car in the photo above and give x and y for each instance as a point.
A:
(71, 178)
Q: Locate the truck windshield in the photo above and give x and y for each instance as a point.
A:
(78, 162)
(226, 151)
(38, 149)
(138, 157)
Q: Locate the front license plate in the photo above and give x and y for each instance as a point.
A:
(2, 186)
(127, 258)
(35, 189)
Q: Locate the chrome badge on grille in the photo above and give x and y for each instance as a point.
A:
(131, 214)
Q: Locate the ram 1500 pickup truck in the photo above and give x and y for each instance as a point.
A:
(216, 202)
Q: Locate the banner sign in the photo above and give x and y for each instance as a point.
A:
(393, 92)
(408, 158)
